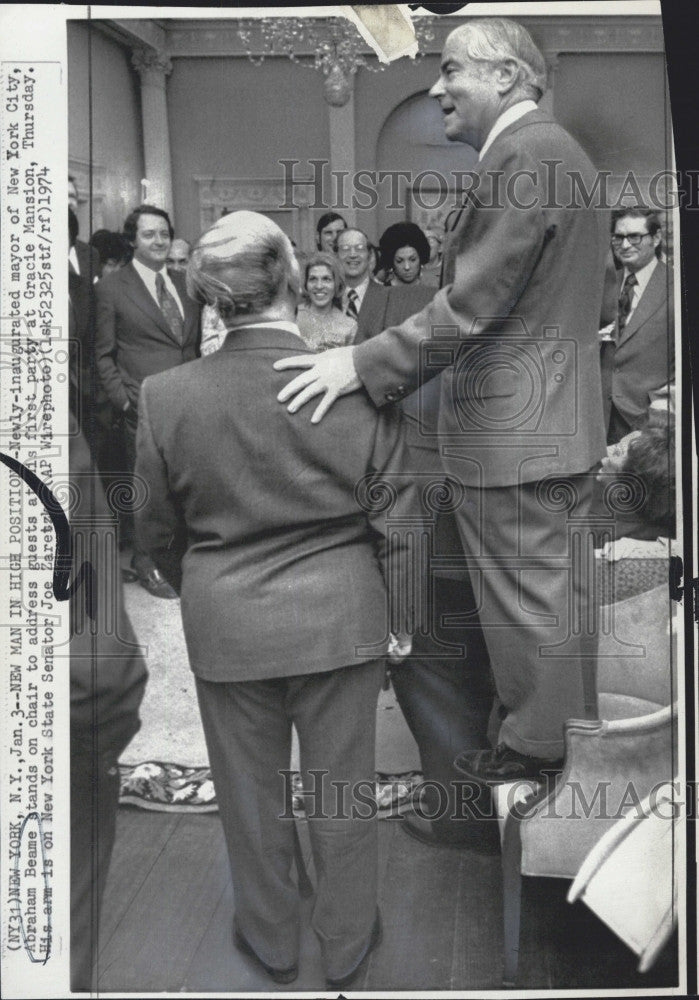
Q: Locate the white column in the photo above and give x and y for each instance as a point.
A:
(153, 67)
(342, 151)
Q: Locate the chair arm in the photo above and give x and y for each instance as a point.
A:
(610, 767)
(638, 724)
(609, 842)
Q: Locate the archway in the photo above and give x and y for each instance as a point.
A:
(412, 139)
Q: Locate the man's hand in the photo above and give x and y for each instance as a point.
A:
(332, 373)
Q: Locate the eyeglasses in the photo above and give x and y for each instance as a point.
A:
(633, 239)
(356, 248)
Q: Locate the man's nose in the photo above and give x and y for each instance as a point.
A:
(437, 89)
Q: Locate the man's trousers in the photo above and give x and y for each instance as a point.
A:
(444, 688)
(530, 557)
(247, 725)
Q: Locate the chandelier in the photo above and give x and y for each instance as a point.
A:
(332, 45)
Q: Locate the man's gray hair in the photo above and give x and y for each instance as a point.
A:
(493, 39)
(241, 265)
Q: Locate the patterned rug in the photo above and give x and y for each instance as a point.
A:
(174, 788)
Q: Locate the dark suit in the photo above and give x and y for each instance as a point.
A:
(88, 400)
(372, 311)
(134, 340)
(107, 681)
(444, 687)
(517, 325)
(253, 515)
(640, 360)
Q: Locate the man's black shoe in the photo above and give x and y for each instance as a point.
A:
(278, 975)
(475, 835)
(502, 764)
(374, 942)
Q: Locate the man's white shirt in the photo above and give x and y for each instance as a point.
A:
(148, 278)
(642, 277)
(512, 114)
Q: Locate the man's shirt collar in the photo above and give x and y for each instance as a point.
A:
(512, 114)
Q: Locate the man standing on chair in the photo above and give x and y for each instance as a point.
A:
(146, 323)
(514, 330)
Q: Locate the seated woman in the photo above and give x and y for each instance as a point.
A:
(320, 319)
(404, 251)
(647, 455)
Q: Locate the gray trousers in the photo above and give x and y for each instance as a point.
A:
(247, 725)
(530, 564)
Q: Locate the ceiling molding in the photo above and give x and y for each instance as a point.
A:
(135, 33)
(218, 37)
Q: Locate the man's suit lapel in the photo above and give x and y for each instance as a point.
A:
(651, 300)
(371, 312)
(137, 292)
(489, 162)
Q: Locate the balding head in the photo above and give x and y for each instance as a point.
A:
(245, 267)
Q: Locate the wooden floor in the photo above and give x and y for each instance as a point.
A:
(168, 913)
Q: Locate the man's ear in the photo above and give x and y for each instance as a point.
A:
(506, 75)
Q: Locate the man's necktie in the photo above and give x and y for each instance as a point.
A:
(351, 309)
(625, 300)
(169, 308)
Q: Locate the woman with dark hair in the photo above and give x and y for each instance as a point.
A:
(113, 249)
(404, 250)
(320, 318)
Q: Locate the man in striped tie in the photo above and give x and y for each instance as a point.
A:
(355, 257)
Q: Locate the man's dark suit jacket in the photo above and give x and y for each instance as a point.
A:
(257, 515)
(642, 359)
(134, 339)
(526, 279)
(372, 311)
(81, 288)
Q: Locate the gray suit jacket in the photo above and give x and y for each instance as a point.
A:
(642, 361)
(516, 324)
(265, 522)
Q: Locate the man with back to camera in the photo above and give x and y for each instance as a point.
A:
(285, 580)
(521, 391)
(146, 323)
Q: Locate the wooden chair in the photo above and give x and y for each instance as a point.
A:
(611, 764)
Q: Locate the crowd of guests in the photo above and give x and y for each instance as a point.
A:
(252, 517)
(346, 291)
